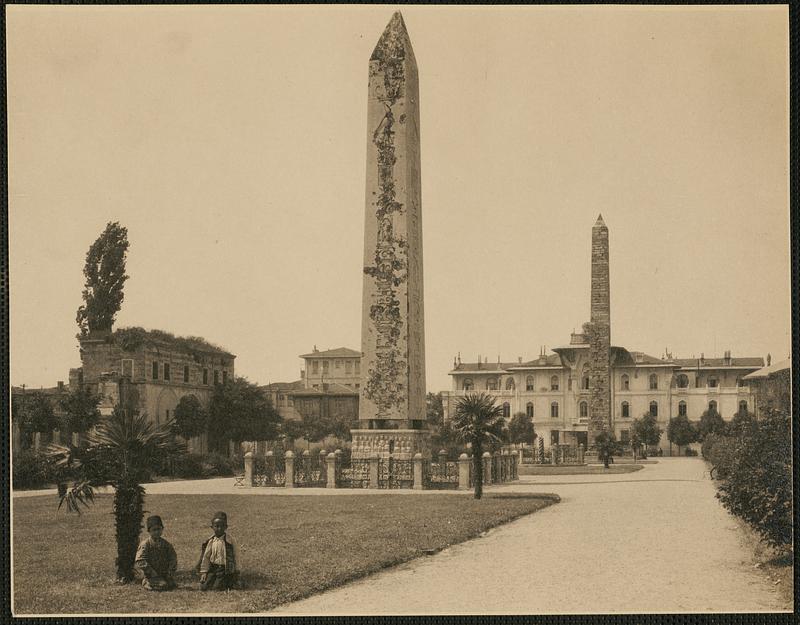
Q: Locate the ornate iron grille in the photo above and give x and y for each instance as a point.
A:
(309, 471)
(353, 474)
(442, 475)
(393, 473)
(269, 471)
(495, 469)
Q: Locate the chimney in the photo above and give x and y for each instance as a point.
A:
(60, 386)
(459, 357)
(769, 359)
(315, 349)
(702, 358)
(479, 361)
(519, 358)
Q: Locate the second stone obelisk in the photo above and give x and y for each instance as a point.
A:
(392, 419)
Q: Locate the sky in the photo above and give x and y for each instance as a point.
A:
(231, 142)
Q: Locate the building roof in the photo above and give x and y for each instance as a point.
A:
(283, 386)
(718, 363)
(328, 389)
(769, 370)
(339, 352)
(551, 360)
(132, 338)
(53, 390)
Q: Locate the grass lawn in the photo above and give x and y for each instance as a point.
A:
(589, 469)
(290, 547)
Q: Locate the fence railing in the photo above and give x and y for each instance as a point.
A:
(337, 470)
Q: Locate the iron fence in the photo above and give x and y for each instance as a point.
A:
(394, 473)
(269, 471)
(440, 475)
(352, 474)
(309, 471)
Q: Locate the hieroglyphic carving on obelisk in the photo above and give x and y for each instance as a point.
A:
(392, 330)
(599, 334)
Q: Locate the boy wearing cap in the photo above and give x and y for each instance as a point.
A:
(218, 567)
(156, 559)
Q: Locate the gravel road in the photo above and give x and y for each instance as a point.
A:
(652, 541)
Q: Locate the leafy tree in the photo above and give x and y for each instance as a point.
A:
(646, 429)
(293, 429)
(80, 407)
(239, 411)
(711, 422)
(606, 445)
(742, 423)
(120, 452)
(478, 421)
(681, 431)
(36, 414)
(105, 276)
(191, 418)
(520, 429)
(434, 409)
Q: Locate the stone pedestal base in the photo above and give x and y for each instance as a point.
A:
(400, 444)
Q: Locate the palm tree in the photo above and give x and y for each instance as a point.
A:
(479, 422)
(120, 452)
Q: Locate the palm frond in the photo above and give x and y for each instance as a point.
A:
(81, 493)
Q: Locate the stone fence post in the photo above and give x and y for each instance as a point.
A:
(580, 453)
(487, 468)
(373, 472)
(463, 472)
(516, 461)
(418, 485)
(289, 460)
(322, 466)
(331, 462)
(553, 454)
(248, 469)
(442, 462)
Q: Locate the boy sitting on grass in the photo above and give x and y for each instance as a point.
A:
(218, 567)
(156, 560)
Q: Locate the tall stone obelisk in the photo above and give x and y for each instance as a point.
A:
(599, 334)
(391, 409)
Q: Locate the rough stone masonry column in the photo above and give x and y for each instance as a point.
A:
(392, 402)
(598, 331)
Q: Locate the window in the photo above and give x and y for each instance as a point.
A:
(585, 378)
(583, 410)
(358, 386)
(529, 410)
(510, 384)
(554, 383)
(626, 410)
(186, 374)
(167, 414)
(326, 365)
(683, 381)
(625, 382)
(155, 371)
(554, 410)
(315, 366)
(653, 382)
(743, 407)
(569, 384)
(491, 384)
(358, 366)
(554, 437)
(338, 364)
(712, 406)
(216, 376)
(348, 366)
(712, 382)
(224, 377)
(506, 410)
(127, 367)
(625, 436)
(467, 386)
(653, 408)
(529, 383)
(682, 409)
(166, 371)
(205, 376)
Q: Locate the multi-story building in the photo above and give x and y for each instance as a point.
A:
(589, 384)
(328, 386)
(161, 368)
(771, 386)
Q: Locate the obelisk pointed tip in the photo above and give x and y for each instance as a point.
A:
(394, 39)
(600, 221)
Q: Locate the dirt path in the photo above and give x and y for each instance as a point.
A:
(652, 541)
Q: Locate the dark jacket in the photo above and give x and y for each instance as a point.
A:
(230, 555)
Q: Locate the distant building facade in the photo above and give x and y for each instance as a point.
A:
(328, 386)
(590, 385)
(771, 387)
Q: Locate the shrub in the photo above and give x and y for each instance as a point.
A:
(31, 470)
(690, 452)
(755, 476)
(215, 464)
